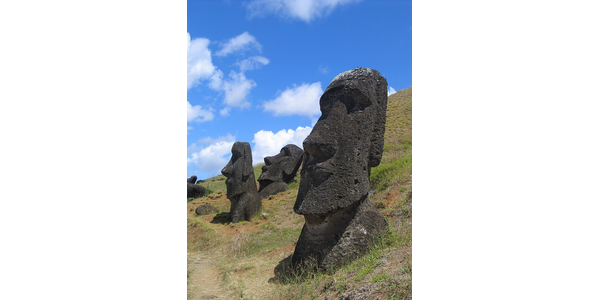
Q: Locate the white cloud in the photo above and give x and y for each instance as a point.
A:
(224, 112)
(267, 143)
(391, 90)
(252, 63)
(241, 42)
(237, 89)
(216, 80)
(199, 61)
(209, 140)
(196, 113)
(299, 100)
(213, 157)
(305, 10)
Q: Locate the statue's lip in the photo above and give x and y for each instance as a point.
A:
(318, 173)
(260, 179)
(318, 168)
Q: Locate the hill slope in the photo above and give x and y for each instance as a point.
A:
(251, 259)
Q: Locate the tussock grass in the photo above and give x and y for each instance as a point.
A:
(270, 240)
(311, 283)
(396, 164)
(394, 172)
(244, 245)
(201, 236)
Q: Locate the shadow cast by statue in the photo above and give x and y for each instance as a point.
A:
(221, 218)
(286, 273)
(283, 271)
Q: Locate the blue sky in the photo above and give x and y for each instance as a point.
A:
(256, 69)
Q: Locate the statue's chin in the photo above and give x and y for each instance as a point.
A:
(334, 222)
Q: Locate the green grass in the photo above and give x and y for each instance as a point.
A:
(308, 283)
(396, 163)
(271, 239)
(214, 185)
(206, 237)
(258, 170)
(391, 173)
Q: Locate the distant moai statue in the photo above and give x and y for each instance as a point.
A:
(241, 185)
(345, 143)
(279, 170)
(194, 190)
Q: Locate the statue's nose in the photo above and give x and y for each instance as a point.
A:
(319, 148)
(268, 160)
(227, 170)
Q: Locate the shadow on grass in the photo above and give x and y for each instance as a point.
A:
(286, 273)
(221, 218)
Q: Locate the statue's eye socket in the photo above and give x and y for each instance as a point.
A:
(353, 99)
(286, 152)
(235, 155)
(355, 102)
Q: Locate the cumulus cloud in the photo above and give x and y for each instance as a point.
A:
(241, 42)
(300, 100)
(305, 10)
(391, 90)
(212, 157)
(197, 114)
(199, 61)
(236, 88)
(224, 112)
(267, 143)
(252, 63)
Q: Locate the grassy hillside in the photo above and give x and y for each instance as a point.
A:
(250, 260)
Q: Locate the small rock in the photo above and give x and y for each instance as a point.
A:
(205, 209)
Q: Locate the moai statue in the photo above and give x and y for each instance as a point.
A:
(241, 185)
(194, 190)
(279, 170)
(345, 143)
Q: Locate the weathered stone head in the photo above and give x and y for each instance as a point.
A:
(279, 170)
(241, 185)
(344, 144)
(192, 179)
(194, 190)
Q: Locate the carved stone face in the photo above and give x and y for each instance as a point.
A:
(238, 170)
(344, 144)
(281, 167)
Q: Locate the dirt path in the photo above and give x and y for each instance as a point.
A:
(204, 282)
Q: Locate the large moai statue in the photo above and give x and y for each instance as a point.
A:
(279, 170)
(345, 143)
(241, 185)
(194, 190)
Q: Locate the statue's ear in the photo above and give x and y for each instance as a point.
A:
(247, 167)
(296, 154)
(293, 164)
